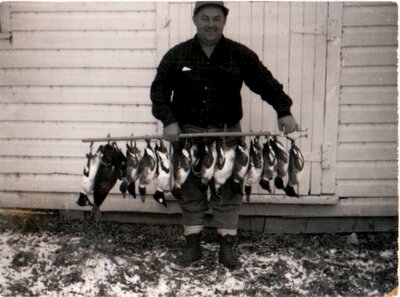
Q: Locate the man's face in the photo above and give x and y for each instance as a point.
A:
(210, 22)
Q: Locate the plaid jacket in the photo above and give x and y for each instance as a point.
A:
(190, 88)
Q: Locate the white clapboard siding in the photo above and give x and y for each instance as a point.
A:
(76, 77)
(67, 148)
(366, 170)
(369, 56)
(74, 95)
(34, 148)
(55, 183)
(74, 130)
(44, 165)
(368, 114)
(367, 188)
(369, 76)
(368, 95)
(75, 113)
(73, 21)
(367, 151)
(356, 133)
(77, 58)
(87, 6)
(84, 40)
(369, 36)
(385, 14)
(367, 148)
(74, 70)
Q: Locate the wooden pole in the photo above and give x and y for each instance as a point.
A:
(186, 135)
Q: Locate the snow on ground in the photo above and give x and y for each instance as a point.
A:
(74, 258)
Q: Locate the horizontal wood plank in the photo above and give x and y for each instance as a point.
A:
(77, 58)
(368, 95)
(329, 225)
(351, 207)
(361, 170)
(42, 148)
(369, 36)
(368, 133)
(368, 114)
(29, 165)
(367, 151)
(81, 6)
(367, 188)
(370, 3)
(75, 95)
(51, 148)
(80, 21)
(369, 56)
(5, 43)
(76, 113)
(56, 182)
(370, 16)
(77, 77)
(369, 76)
(84, 40)
(77, 131)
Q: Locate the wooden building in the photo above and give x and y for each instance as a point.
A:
(76, 70)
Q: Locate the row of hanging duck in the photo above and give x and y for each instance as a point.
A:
(212, 160)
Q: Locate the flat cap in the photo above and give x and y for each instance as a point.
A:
(201, 4)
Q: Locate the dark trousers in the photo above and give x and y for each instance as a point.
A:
(225, 208)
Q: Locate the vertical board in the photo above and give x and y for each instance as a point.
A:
(332, 97)
(319, 94)
(162, 38)
(270, 56)
(282, 73)
(185, 17)
(257, 45)
(307, 96)
(283, 48)
(245, 37)
(296, 68)
(163, 22)
(296, 58)
(174, 23)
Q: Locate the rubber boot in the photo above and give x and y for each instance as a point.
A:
(226, 256)
(191, 252)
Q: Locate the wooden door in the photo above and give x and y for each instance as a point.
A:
(291, 40)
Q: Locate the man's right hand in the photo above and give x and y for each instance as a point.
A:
(171, 132)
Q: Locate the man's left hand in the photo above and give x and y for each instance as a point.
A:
(287, 124)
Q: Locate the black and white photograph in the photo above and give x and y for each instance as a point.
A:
(209, 148)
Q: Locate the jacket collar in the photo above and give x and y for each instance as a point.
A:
(220, 43)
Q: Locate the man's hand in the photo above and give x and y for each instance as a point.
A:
(287, 124)
(171, 132)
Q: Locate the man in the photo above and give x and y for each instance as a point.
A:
(197, 89)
